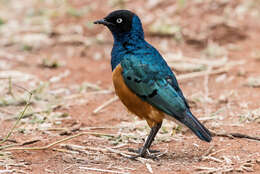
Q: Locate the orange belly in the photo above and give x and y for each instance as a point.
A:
(133, 103)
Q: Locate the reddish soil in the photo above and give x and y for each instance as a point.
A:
(91, 63)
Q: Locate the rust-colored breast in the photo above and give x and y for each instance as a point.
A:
(133, 103)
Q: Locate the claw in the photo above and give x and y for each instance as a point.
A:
(134, 157)
(144, 153)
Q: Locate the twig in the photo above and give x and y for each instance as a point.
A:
(60, 141)
(236, 135)
(98, 109)
(214, 153)
(76, 148)
(9, 140)
(83, 149)
(208, 151)
(118, 152)
(149, 167)
(212, 158)
(65, 151)
(57, 129)
(17, 86)
(204, 119)
(92, 85)
(29, 142)
(18, 120)
(19, 144)
(212, 63)
(95, 149)
(210, 170)
(202, 73)
(68, 167)
(239, 135)
(103, 170)
(8, 146)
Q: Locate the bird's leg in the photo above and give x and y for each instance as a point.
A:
(142, 152)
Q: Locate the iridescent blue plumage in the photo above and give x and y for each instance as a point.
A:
(146, 73)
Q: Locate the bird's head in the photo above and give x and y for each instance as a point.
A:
(121, 23)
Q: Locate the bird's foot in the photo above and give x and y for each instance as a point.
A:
(140, 150)
(144, 153)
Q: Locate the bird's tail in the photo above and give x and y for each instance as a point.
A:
(193, 123)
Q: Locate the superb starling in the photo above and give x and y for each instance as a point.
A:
(143, 81)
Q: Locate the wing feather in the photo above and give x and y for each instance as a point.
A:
(144, 79)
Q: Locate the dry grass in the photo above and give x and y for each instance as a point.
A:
(46, 109)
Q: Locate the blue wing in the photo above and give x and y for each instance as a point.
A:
(149, 77)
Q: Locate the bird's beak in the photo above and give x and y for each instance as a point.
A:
(104, 22)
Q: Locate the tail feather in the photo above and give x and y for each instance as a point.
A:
(193, 123)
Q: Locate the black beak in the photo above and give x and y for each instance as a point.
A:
(103, 22)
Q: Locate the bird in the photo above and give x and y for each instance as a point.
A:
(144, 82)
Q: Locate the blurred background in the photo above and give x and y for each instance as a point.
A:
(52, 49)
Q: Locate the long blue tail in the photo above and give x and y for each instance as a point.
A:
(193, 123)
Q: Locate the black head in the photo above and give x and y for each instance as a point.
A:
(118, 21)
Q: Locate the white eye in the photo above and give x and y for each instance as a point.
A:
(119, 20)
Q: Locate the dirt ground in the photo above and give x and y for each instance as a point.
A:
(52, 49)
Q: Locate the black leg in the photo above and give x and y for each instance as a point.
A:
(142, 152)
